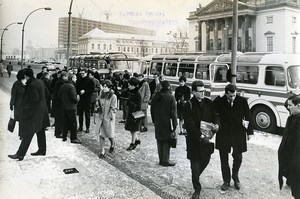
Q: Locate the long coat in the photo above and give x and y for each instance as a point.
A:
(232, 133)
(17, 92)
(97, 89)
(56, 103)
(289, 154)
(86, 84)
(134, 104)
(105, 126)
(145, 94)
(34, 109)
(193, 113)
(163, 111)
(68, 96)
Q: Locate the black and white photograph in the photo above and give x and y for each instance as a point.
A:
(150, 99)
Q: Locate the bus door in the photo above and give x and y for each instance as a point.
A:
(219, 78)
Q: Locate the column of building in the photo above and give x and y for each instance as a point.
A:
(247, 22)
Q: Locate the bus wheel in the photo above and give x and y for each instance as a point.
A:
(264, 119)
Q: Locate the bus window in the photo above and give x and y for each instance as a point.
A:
(202, 71)
(275, 76)
(155, 68)
(170, 69)
(247, 74)
(294, 76)
(220, 72)
(186, 70)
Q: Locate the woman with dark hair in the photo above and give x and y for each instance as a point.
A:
(105, 127)
(17, 92)
(163, 113)
(182, 95)
(134, 104)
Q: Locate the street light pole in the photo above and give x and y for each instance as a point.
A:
(234, 41)
(23, 29)
(69, 30)
(3, 34)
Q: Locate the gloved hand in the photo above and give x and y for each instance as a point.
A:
(11, 107)
(205, 140)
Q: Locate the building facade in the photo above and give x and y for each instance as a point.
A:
(98, 41)
(263, 25)
(80, 26)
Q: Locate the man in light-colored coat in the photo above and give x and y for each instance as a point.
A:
(145, 95)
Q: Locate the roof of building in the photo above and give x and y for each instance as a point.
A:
(97, 33)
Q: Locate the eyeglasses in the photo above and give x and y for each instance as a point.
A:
(200, 91)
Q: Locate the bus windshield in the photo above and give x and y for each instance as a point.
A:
(219, 73)
(293, 73)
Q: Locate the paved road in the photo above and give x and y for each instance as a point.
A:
(129, 174)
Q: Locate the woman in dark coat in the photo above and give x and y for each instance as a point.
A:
(34, 117)
(17, 92)
(182, 95)
(134, 104)
(163, 113)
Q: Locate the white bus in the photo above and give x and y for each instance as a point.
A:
(265, 79)
(192, 66)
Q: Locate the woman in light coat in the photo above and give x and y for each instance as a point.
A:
(105, 127)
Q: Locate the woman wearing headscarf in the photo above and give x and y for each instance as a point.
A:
(133, 104)
(105, 127)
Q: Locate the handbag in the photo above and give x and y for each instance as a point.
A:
(138, 115)
(11, 123)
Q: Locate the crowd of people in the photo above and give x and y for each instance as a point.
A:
(70, 94)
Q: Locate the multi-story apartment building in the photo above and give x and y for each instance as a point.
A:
(98, 41)
(80, 26)
(263, 25)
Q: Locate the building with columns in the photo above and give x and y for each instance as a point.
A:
(98, 41)
(263, 26)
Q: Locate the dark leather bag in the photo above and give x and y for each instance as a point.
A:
(11, 125)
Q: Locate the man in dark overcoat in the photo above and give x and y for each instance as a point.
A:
(163, 114)
(69, 100)
(235, 128)
(34, 117)
(56, 105)
(199, 148)
(85, 88)
(289, 149)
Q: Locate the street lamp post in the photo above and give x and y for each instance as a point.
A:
(3, 34)
(69, 30)
(23, 29)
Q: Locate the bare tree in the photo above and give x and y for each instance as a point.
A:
(181, 41)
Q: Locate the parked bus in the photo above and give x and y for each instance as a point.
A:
(192, 66)
(266, 80)
(106, 62)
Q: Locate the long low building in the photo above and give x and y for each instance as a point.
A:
(98, 41)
